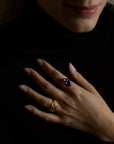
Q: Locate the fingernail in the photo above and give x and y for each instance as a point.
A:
(23, 88)
(72, 67)
(40, 62)
(27, 70)
(27, 107)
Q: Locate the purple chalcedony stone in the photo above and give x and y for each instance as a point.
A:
(67, 82)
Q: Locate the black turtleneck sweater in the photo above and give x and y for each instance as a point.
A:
(37, 35)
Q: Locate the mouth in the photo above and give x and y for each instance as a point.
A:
(84, 11)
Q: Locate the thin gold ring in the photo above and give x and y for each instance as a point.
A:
(53, 106)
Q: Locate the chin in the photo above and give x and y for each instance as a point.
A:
(82, 26)
(84, 29)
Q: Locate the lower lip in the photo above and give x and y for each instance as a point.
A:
(85, 11)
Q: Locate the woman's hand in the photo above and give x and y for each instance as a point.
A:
(77, 105)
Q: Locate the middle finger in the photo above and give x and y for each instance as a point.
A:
(45, 85)
(58, 77)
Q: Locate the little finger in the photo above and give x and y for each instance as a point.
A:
(50, 117)
(40, 99)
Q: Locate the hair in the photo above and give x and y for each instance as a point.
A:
(11, 9)
(111, 1)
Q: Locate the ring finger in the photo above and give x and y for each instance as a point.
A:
(40, 99)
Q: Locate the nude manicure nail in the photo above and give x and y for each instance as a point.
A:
(72, 67)
(27, 70)
(27, 107)
(40, 62)
(23, 88)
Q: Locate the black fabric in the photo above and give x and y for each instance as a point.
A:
(37, 35)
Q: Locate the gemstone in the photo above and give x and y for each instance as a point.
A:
(67, 82)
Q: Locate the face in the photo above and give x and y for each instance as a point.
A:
(75, 15)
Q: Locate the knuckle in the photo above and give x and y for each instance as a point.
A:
(78, 93)
(92, 87)
(80, 77)
(55, 74)
(46, 119)
(79, 74)
(34, 111)
(34, 74)
(30, 92)
(43, 103)
(45, 87)
(67, 122)
(75, 89)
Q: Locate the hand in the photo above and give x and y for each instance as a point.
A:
(78, 106)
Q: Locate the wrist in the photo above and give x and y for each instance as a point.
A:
(106, 132)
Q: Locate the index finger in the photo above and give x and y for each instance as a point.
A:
(57, 76)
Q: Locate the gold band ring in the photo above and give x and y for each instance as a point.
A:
(53, 106)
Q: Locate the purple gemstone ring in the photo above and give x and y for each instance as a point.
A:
(66, 82)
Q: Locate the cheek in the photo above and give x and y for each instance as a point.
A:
(54, 3)
(103, 3)
(101, 6)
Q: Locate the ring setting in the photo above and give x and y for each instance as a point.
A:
(66, 82)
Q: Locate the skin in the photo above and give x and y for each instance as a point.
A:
(64, 15)
(79, 106)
